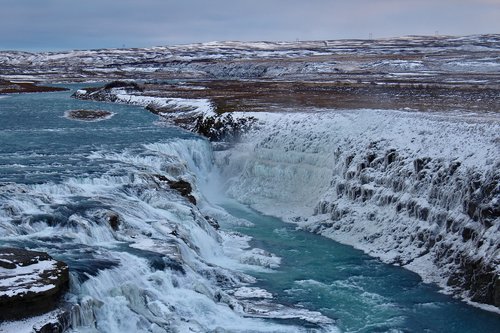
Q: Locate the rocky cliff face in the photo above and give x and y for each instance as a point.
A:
(420, 208)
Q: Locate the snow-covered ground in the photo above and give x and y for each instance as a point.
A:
(196, 105)
(22, 280)
(448, 55)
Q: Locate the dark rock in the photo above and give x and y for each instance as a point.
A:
(7, 264)
(153, 108)
(479, 278)
(213, 222)
(496, 293)
(348, 160)
(453, 167)
(114, 220)
(481, 203)
(88, 115)
(181, 186)
(184, 188)
(390, 156)
(31, 283)
(222, 127)
(449, 224)
(59, 324)
(423, 213)
(420, 163)
(371, 157)
(468, 233)
(366, 194)
(128, 85)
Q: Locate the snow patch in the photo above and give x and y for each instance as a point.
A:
(24, 279)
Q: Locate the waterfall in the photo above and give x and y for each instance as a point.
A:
(142, 257)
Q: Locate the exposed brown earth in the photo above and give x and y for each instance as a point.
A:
(237, 95)
(9, 87)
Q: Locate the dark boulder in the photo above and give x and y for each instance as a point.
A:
(213, 222)
(183, 187)
(88, 115)
(113, 220)
(31, 283)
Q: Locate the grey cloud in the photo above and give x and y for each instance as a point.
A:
(63, 24)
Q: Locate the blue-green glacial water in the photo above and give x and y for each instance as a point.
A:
(58, 176)
(361, 293)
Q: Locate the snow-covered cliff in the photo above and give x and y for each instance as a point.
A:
(419, 190)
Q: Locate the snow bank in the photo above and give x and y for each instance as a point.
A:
(198, 105)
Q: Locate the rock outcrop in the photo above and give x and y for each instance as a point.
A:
(183, 187)
(88, 115)
(31, 283)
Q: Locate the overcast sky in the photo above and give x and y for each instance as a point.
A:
(71, 24)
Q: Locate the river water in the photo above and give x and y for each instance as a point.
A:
(360, 292)
(58, 174)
